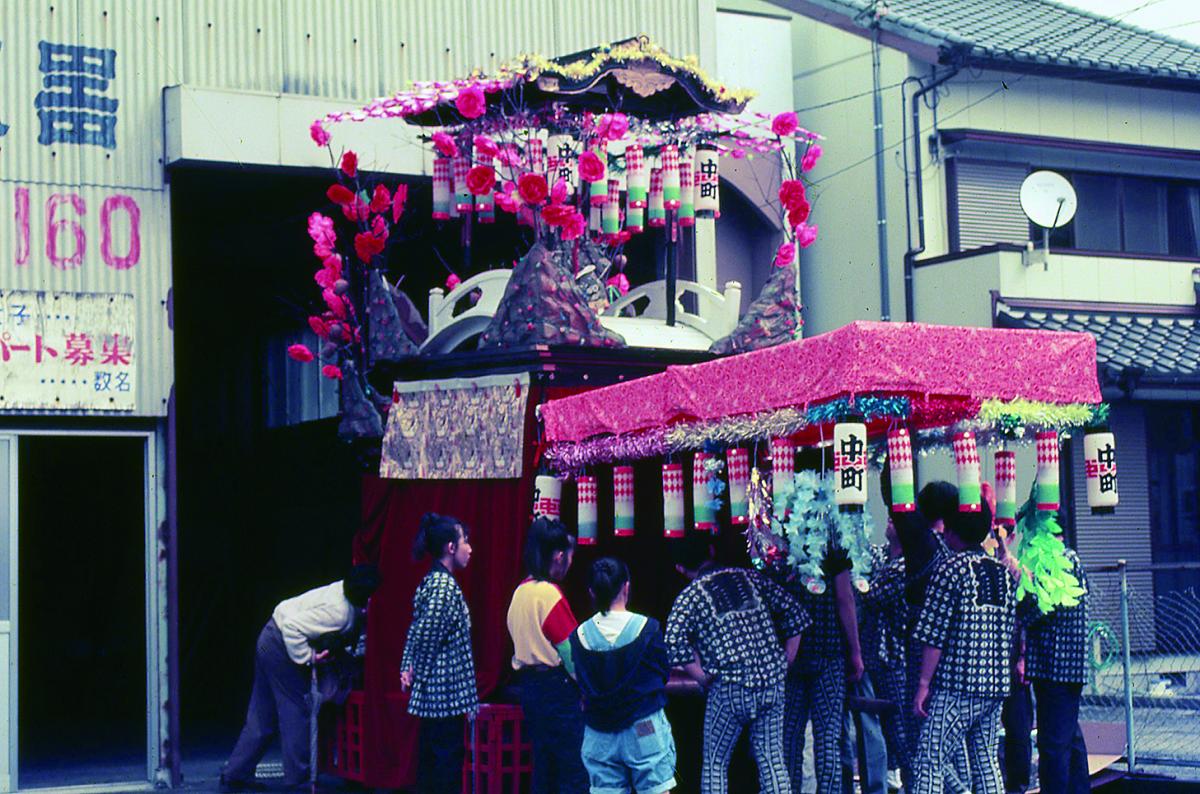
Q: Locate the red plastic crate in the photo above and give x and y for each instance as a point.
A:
(500, 759)
(343, 745)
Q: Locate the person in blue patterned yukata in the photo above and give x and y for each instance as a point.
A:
(966, 628)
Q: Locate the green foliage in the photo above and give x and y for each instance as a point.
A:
(1046, 573)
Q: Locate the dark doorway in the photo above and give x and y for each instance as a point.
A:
(82, 610)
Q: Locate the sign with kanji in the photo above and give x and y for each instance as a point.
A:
(1100, 470)
(64, 351)
(850, 464)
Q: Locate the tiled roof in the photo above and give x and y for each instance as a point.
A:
(1157, 346)
(1031, 33)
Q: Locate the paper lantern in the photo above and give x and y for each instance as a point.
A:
(687, 190)
(670, 170)
(783, 471)
(703, 513)
(900, 464)
(707, 179)
(655, 209)
(850, 464)
(598, 190)
(635, 220)
(441, 189)
(737, 463)
(1046, 486)
(485, 207)
(1006, 488)
(535, 155)
(623, 501)
(1100, 470)
(595, 218)
(562, 163)
(637, 176)
(966, 464)
(673, 508)
(547, 497)
(464, 202)
(588, 515)
(610, 216)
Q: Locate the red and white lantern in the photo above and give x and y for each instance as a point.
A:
(737, 463)
(562, 161)
(1006, 488)
(441, 189)
(966, 464)
(656, 213)
(1046, 493)
(673, 502)
(783, 471)
(637, 176)
(687, 189)
(547, 497)
(535, 155)
(670, 169)
(1100, 470)
(623, 501)
(900, 464)
(598, 190)
(588, 517)
(464, 202)
(704, 516)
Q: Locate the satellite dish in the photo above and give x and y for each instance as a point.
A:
(1048, 199)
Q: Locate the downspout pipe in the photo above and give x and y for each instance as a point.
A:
(881, 228)
(915, 251)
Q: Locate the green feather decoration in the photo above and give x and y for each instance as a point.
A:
(1045, 570)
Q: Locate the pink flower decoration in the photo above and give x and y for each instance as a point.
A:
(738, 154)
(398, 199)
(620, 283)
(318, 134)
(350, 164)
(485, 147)
(300, 353)
(809, 160)
(480, 180)
(445, 144)
(785, 124)
(320, 229)
(576, 227)
(590, 167)
(325, 278)
(335, 303)
(471, 103)
(806, 235)
(532, 188)
(319, 327)
(331, 372)
(381, 199)
(612, 126)
(558, 194)
(452, 281)
(785, 255)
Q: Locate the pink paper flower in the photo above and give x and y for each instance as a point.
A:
(532, 188)
(612, 126)
(558, 194)
(791, 194)
(590, 167)
(576, 227)
(320, 229)
(335, 303)
(485, 147)
(319, 326)
(785, 124)
(738, 154)
(381, 199)
(340, 194)
(452, 281)
(399, 197)
(471, 103)
(318, 134)
(350, 164)
(785, 255)
(481, 179)
(300, 353)
(331, 372)
(806, 235)
(798, 214)
(557, 214)
(809, 160)
(445, 144)
(620, 283)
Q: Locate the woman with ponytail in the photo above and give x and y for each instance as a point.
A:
(622, 667)
(437, 664)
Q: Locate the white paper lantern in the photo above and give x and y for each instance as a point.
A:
(673, 503)
(737, 463)
(966, 464)
(623, 501)
(703, 515)
(708, 170)
(900, 464)
(547, 497)
(1100, 470)
(1006, 488)
(850, 465)
(783, 472)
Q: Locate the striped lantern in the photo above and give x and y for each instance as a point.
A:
(535, 155)
(547, 496)
(783, 470)
(673, 507)
(707, 179)
(900, 463)
(850, 464)
(485, 207)
(655, 209)
(1046, 485)
(562, 161)
(623, 501)
(670, 171)
(1006, 488)
(687, 189)
(598, 190)
(588, 519)
(637, 176)
(1100, 469)
(737, 463)
(441, 189)
(703, 513)
(464, 202)
(966, 464)
(595, 219)
(635, 220)
(610, 217)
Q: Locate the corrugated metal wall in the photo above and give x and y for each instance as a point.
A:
(989, 203)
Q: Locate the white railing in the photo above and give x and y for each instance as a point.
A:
(717, 313)
(448, 327)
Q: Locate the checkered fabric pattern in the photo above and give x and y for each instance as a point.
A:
(633, 158)
(816, 692)
(686, 174)
(970, 613)
(586, 489)
(438, 649)
(730, 709)
(670, 158)
(535, 155)
(614, 191)
(1056, 643)
(954, 762)
(736, 620)
(954, 716)
(656, 181)
(883, 617)
(899, 449)
(738, 462)
(1047, 449)
(966, 453)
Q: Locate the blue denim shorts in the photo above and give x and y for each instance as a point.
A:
(639, 759)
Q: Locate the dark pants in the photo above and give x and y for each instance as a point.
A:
(554, 722)
(1062, 753)
(278, 705)
(1017, 719)
(440, 756)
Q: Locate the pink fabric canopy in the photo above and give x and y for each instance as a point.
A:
(862, 357)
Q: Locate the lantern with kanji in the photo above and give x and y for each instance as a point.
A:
(900, 464)
(623, 501)
(783, 469)
(687, 190)
(1046, 485)
(1100, 469)
(637, 176)
(673, 504)
(707, 179)
(560, 150)
(737, 463)
(547, 496)
(656, 213)
(1006, 488)
(705, 517)
(587, 518)
(670, 171)
(850, 464)
(463, 201)
(441, 189)
(966, 465)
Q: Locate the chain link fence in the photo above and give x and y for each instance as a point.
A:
(1145, 649)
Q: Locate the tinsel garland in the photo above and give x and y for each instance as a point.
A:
(1013, 414)
(1046, 573)
(767, 550)
(812, 524)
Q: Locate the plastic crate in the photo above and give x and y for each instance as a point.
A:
(500, 759)
(343, 745)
